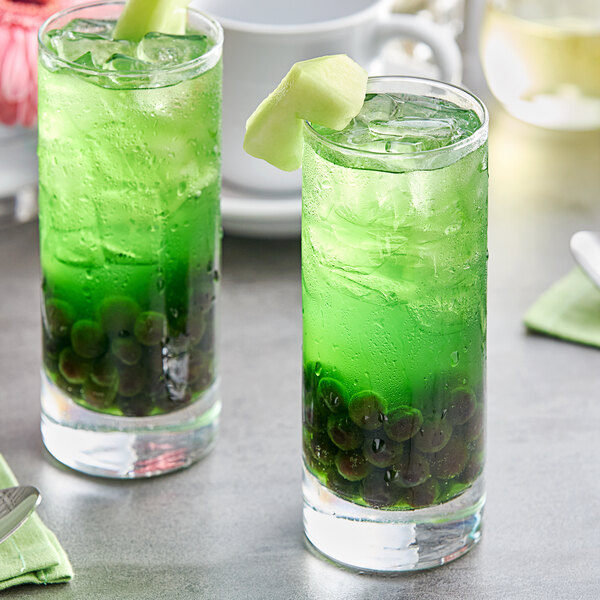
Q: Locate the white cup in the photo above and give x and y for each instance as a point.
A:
(263, 38)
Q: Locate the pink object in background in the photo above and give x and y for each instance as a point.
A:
(19, 23)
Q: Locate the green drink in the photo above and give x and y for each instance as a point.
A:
(129, 153)
(394, 261)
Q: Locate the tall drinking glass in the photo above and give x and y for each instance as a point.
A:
(394, 272)
(129, 159)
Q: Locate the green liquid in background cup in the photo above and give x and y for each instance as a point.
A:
(129, 154)
(394, 256)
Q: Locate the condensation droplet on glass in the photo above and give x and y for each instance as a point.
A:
(455, 358)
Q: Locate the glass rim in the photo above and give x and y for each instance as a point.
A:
(214, 52)
(475, 139)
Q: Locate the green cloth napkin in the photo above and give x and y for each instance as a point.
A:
(32, 554)
(570, 310)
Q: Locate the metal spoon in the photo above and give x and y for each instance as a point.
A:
(16, 504)
(585, 248)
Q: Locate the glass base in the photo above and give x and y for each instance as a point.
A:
(391, 541)
(127, 447)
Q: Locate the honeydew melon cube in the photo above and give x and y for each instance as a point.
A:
(328, 91)
(142, 16)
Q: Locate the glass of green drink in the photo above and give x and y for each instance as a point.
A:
(394, 272)
(129, 158)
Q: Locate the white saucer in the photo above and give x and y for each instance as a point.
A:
(248, 215)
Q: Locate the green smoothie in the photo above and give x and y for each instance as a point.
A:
(394, 268)
(129, 154)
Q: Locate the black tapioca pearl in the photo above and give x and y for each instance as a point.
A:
(104, 372)
(476, 445)
(461, 406)
(53, 346)
(342, 487)
(343, 432)
(72, 367)
(473, 468)
(352, 465)
(131, 380)
(382, 452)
(322, 449)
(118, 314)
(367, 410)
(135, 406)
(403, 423)
(332, 393)
(422, 495)
(126, 349)
(88, 339)
(58, 317)
(380, 490)
(50, 362)
(98, 396)
(450, 460)
(150, 328)
(412, 470)
(51, 349)
(472, 430)
(433, 435)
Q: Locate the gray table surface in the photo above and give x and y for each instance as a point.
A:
(230, 526)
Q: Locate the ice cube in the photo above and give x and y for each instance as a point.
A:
(410, 125)
(417, 133)
(377, 107)
(125, 64)
(86, 60)
(80, 248)
(405, 146)
(123, 253)
(408, 105)
(358, 136)
(162, 49)
(99, 27)
(355, 134)
(73, 45)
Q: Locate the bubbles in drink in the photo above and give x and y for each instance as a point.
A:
(164, 50)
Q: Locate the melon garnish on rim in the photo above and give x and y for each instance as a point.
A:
(327, 91)
(139, 17)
